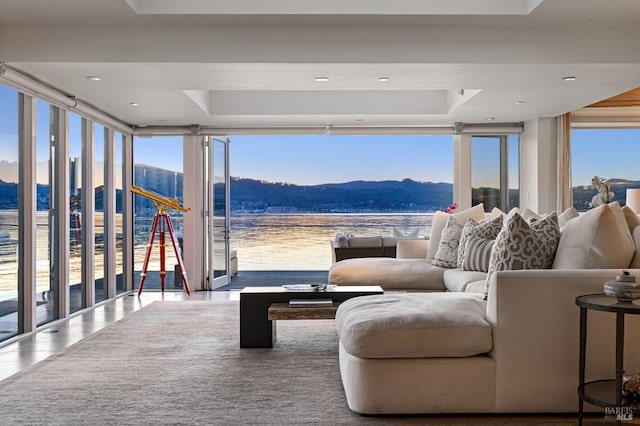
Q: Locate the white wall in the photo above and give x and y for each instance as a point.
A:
(193, 221)
(462, 170)
(538, 165)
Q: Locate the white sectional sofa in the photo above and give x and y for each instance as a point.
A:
(445, 349)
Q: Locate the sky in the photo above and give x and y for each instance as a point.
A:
(316, 159)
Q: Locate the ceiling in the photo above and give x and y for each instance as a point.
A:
(253, 64)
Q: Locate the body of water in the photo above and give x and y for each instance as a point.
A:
(264, 242)
(303, 241)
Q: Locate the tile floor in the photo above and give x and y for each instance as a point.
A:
(59, 335)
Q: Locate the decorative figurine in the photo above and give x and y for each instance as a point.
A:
(624, 288)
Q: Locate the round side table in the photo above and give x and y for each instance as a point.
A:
(605, 393)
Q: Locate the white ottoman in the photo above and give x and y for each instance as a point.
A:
(416, 353)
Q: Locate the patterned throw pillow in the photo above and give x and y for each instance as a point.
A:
(477, 254)
(487, 229)
(523, 245)
(440, 220)
(447, 253)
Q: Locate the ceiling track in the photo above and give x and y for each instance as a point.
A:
(30, 86)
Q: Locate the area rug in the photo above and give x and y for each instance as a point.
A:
(179, 363)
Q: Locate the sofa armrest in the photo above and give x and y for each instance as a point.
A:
(535, 325)
(412, 249)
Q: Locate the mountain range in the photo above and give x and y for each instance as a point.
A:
(388, 196)
(248, 195)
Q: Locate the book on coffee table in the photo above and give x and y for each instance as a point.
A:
(310, 303)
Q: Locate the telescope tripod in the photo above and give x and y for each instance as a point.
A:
(162, 222)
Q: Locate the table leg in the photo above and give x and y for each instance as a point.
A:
(583, 345)
(256, 331)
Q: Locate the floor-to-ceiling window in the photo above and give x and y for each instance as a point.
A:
(76, 284)
(99, 219)
(119, 228)
(9, 181)
(610, 154)
(291, 194)
(157, 168)
(60, 141)
(494, 171)
(45, 291)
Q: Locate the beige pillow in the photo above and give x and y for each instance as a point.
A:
(630, 217)
(598, 239)
(439, 221)
(635, 262)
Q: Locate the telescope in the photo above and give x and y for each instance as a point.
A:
(162, 223)
(161, 202)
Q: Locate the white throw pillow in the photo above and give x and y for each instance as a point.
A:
(401, 235)
(440, 219)
(487, 229)
(524, 245)
(530, 216)
(566, 216)
(447, 253)
(495, 212)
(599, 238)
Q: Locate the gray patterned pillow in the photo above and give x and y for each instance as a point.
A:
(522, 245)
(477, 254)
(447, 253)
(487, 229)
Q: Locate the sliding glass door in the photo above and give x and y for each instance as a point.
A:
(494, 171)
(217, 202)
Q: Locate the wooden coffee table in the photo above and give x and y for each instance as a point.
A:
(261, 306)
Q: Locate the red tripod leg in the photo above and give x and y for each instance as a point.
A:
(163, 268)
(178, 256)
(147, 256)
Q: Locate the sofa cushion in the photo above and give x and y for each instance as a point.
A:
(364, 242)
(488, 228)
(447, 253)
(477, 287)
(388, 273)
(440, 219)
(414, 325)
(523, 245)
(457, 280)
(598, 239)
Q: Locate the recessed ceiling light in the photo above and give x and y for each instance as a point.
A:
(322, 79)
(93, 78)
(383, 79)
(490, 118)
(519, 102)
(134, 104)
(569, 78)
